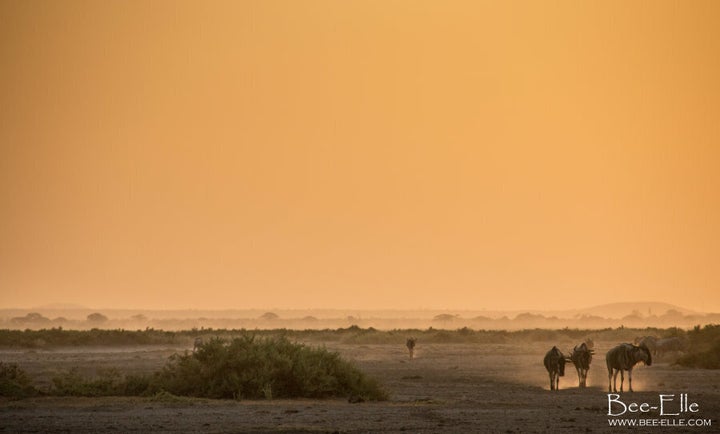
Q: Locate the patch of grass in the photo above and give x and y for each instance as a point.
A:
(169, 398)
(106, 383)
(411, 377)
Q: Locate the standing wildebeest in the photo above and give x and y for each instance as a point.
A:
(410, 344)
(668, 344)
(623, 358)
(554, 362)
(581, 358)
(649, 341)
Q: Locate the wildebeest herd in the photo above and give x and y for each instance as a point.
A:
(618, 359)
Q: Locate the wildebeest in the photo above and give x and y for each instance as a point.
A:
(197, 343)
(554, 362)
(668, 344)
(581, 358)
(622, 358)
(410, 344)
(649, 341)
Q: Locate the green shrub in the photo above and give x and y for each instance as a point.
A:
(704, 348)
(709, 359)
(137, 385)
(14, 382)
(250, 367)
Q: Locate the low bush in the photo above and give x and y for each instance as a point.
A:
(251, 367)
(244, 367)
(709, 359)
(14, 382)
(704, 348)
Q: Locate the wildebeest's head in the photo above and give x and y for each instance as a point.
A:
(644, 354)
(561, 364)
(581, 356)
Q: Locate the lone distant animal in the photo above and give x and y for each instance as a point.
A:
(554, 362)
(581, 358)
(622, 358)
(197, 344)
(667, 345)
(410, 344)
(649, 341)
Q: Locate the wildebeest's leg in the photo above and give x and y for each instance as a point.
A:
(552, 383)
(616, 372)
(610, 372)
(579, 376)
(615, 380)
(622, 379)
(630, 378)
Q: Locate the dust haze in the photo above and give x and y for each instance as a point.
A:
(639, 315)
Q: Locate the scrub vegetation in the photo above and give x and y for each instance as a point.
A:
(704, 351)
(280, 363)
(58, 337)
(248, 367)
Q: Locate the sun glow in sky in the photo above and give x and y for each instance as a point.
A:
(359, 154)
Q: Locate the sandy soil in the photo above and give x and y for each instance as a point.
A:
(446, 388)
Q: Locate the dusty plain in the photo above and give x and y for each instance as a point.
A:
(493, 388)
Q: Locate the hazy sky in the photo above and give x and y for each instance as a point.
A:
(359, 154)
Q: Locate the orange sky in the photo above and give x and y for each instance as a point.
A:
(359, 154)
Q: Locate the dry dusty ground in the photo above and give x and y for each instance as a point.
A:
(447, 388)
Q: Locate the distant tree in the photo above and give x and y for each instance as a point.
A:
(527, 316)
(310, 318)
(97, 318)
(269, 316)
(672, 314)
(32, 317)
(631, 319)
(138, 317)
